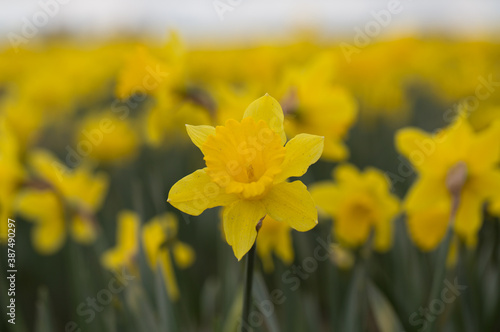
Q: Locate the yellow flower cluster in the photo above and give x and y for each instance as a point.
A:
(74, 122)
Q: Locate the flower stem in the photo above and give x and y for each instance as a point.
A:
(247, 296)
(247, 299)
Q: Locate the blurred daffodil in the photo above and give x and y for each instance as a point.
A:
(247, 168)
(360, 203)
(123, 254)
(315, 105)
(458, 173)
(11, 175)
(142, 73)
(108, 138)
(274, 237)
(60, 201)
(159, 238)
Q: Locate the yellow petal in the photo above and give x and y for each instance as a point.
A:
(46, 165)
(43, 208)
(153, 236)
(197, 192)
(301, 151)
(168, 273)
(335, 150)
(239, 220)
(199, 134)
(423, 150)
(376, 180)
(293, 204)
(268, 109)
(384, 226)
(425, 192)
(83, 230)
(326, 195)
(347, 173)
(428, 227)
(128, 228)
(494, 207)
(469, 215)
(112, 259)
(485, 149)
(183, 254)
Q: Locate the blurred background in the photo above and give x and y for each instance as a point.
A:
(94, 98)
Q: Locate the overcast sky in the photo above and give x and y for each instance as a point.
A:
(198, 19)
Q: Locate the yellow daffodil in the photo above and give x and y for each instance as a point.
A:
(274, 236)
(168, 117)
(142, 73)
(159, 238)
(108, 138)
(123, 254)
(247, 168)
(315, 105)
(66, 202)
(458, 173)
(360, 203)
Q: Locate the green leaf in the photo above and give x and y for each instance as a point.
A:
(384, 313)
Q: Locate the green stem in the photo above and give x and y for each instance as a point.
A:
(247, 299)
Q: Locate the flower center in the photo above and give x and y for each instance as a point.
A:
(244, 157)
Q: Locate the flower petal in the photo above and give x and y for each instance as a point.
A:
(485, 149)
(424, 151)
(293, 204)
(326, 195)
(239, 220)
(184, 255)
(427, 228)
(196, 192)
(167, 270)
(268, 109)
(199, 134)
(469, 216)
(301, 151)
(425, 192)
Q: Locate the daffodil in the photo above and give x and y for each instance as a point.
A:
(274, 237)
(159, 238)
(458, 173)
(314, 104)
(108, 138)
(247, 165)
(360, 204)
(61, 201)
(123, 254)
(138, 74)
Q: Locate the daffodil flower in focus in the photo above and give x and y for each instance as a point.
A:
(458, 173)
(248, 164)
(61, 200)
(123, 254)
(159, 238)
(360, 203)
(274, 237)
